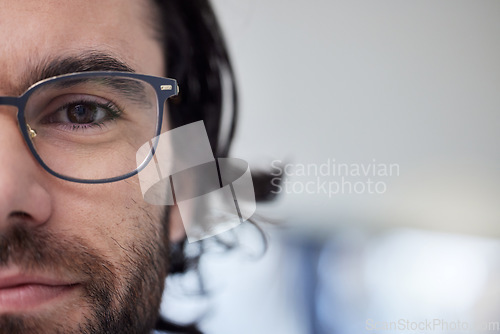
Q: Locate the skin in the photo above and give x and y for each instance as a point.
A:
(68, 231)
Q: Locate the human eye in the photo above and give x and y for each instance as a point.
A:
(80, 113)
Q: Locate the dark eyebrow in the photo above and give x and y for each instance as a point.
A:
(84, 62)
(130, 89)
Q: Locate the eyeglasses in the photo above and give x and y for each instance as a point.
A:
(88, 127)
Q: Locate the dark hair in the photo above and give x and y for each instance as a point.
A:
(196, 56)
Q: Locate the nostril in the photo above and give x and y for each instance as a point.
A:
(20, 214)
(16, 217)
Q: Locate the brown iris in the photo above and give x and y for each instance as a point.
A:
(82, 113)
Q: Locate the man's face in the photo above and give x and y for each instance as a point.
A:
(74, 257)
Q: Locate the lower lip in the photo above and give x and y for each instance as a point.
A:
(30, 296)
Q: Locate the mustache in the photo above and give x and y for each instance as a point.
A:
(108, 306)
(36, 250)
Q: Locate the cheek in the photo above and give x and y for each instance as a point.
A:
(110, 217)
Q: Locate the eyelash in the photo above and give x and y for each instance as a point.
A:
(113, 113)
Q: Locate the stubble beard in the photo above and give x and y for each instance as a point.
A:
(128, 302)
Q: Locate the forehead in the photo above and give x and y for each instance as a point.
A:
(32, 32)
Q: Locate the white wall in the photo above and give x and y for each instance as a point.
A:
(413, 83)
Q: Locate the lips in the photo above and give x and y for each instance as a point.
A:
(24, 292)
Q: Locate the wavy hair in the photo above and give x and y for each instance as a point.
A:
(196, 55)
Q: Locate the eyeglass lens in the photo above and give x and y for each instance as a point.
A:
(92, 127)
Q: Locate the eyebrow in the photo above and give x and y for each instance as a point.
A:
(127, 88)
(84, 62)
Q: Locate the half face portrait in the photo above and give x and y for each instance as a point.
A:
(83, 85)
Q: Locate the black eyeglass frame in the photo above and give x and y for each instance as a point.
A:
(164, 87)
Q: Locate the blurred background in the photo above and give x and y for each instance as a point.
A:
(383, 118)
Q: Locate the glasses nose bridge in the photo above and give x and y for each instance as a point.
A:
(13, 102)
(9, 101)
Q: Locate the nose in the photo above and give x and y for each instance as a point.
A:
(21, 191)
